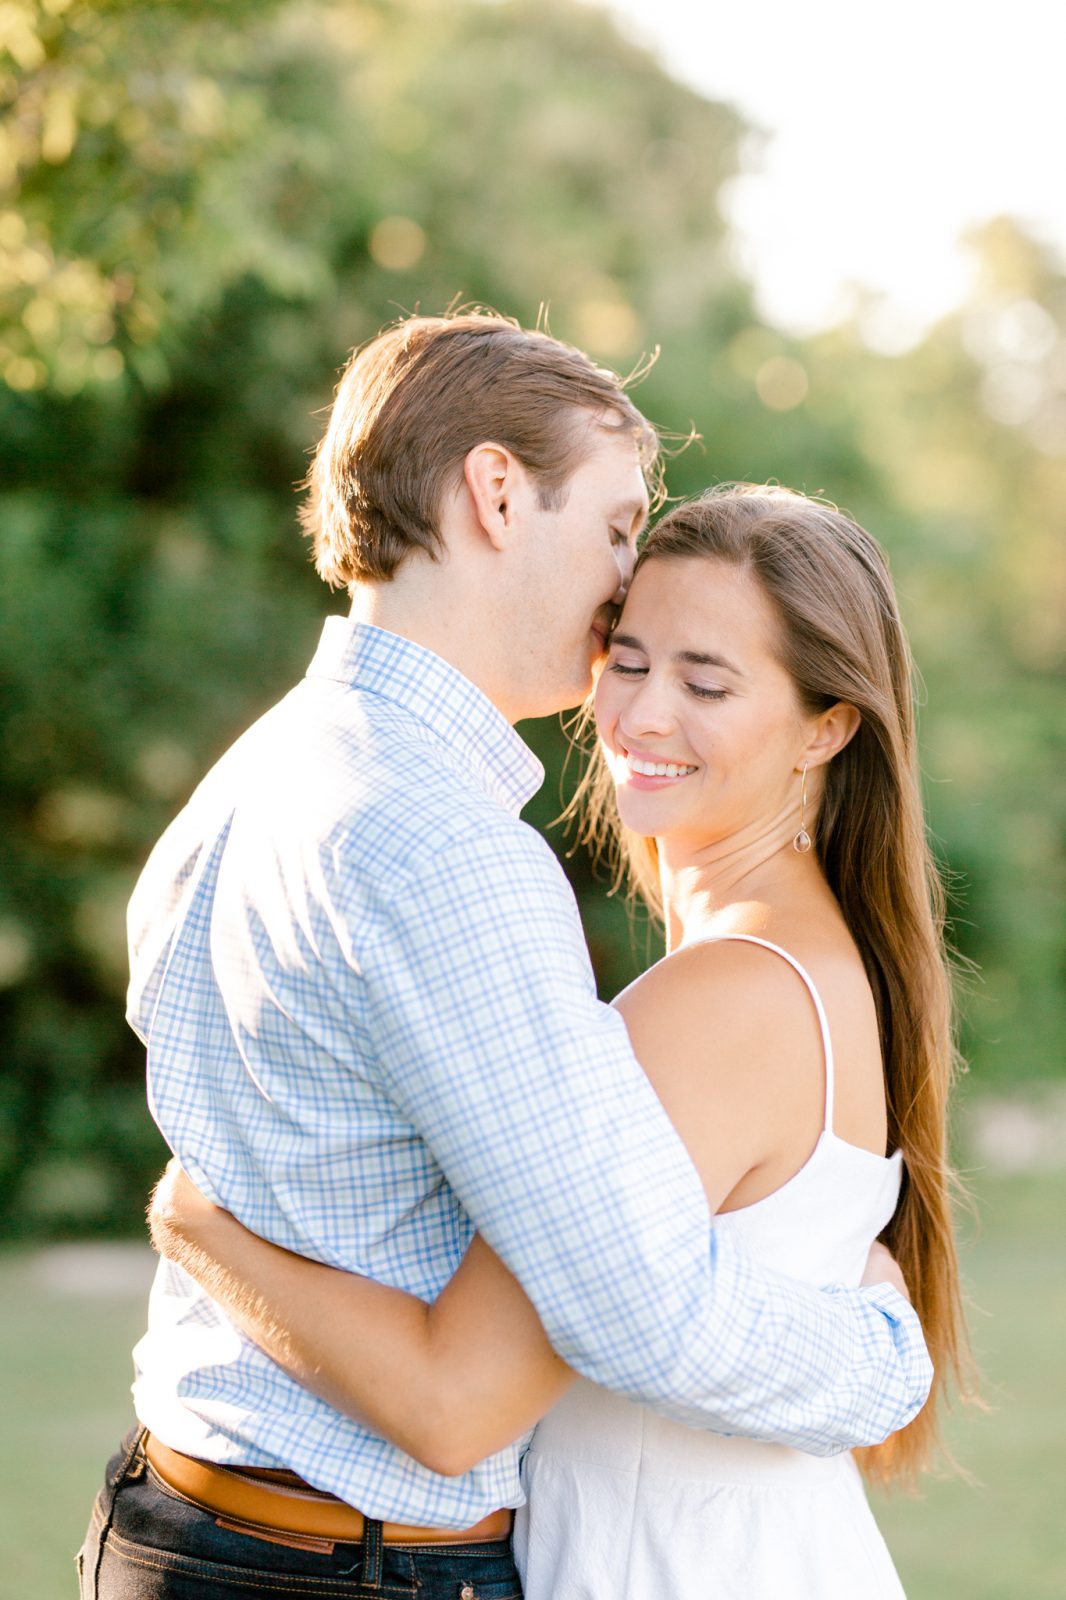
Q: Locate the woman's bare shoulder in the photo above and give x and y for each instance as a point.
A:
(729, 1037)
(729, 980)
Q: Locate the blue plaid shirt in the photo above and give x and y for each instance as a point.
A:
(372, 1026)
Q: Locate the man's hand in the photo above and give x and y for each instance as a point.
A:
(177, 1210)
(880, 1268)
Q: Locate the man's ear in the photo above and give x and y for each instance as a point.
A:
(832, 731)
(494, 478)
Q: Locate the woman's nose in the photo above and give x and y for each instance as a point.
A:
(647, 710)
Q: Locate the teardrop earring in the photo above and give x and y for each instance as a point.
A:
(802, 842)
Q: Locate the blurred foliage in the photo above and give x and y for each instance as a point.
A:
(202, 209)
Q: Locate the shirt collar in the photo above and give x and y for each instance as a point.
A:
(378, 662)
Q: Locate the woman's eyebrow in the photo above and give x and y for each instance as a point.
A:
(697, 658)
(690, 658)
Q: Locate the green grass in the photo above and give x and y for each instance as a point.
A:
(1003, 1538)
(65, 1354)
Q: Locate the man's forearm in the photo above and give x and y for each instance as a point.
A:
(820, 1370)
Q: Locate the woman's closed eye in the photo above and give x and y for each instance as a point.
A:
(629, 669)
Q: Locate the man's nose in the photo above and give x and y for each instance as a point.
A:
(625, 556)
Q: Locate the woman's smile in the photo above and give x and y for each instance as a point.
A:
(644, 769)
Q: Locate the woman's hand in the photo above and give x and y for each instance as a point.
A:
(881, 1267)
(178, 1213)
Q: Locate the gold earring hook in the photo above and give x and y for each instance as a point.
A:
(802, 842)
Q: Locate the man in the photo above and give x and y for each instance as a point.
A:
(372, 1026)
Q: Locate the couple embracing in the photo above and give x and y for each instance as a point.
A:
(429, 1193)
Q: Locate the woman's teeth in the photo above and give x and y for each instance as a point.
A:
(658, 769)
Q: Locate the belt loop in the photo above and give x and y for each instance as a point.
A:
(373, 1560)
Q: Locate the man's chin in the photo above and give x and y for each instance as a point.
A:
(575, 699)
(566, 699)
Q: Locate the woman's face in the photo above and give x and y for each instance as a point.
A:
(701, 725)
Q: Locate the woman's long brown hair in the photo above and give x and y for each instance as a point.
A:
(841, 639)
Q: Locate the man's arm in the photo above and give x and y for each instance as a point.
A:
(449, 1383)
(483, 1013)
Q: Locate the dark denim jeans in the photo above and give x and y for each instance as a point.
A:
(146, 1543)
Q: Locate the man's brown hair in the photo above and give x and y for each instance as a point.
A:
(414, 402)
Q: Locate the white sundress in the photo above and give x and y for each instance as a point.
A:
(625, 1505)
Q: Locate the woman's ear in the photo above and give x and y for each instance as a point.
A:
(832, 731)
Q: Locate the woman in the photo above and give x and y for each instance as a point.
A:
(756, 771)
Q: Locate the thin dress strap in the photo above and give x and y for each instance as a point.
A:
(823, 1020)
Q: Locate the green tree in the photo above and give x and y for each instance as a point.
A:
(202, 209)
(200, 212)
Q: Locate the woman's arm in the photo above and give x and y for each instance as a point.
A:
(450, 1383)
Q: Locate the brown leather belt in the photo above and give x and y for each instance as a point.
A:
(283, 1504)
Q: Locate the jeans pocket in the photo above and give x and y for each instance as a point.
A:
(141, 1572)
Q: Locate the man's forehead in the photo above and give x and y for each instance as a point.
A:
(615, 453)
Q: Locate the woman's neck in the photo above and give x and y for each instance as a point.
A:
(734, 885)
